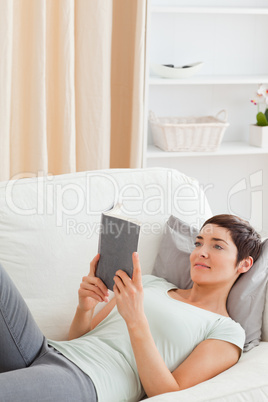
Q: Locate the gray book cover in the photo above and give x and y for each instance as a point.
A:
(118, 240)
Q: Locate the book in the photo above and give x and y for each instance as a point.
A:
(118, 240)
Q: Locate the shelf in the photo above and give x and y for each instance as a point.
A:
(226, 149)
(210, 10)
(212, 79)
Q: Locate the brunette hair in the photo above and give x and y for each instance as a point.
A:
(247, 240)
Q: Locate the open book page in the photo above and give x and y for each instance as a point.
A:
(118, 212)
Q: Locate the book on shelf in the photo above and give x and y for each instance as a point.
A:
(118, 240)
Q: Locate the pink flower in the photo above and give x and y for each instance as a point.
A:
(263, 92)
(258, 98)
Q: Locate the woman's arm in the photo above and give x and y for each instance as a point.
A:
(208, 359)
(92, 291)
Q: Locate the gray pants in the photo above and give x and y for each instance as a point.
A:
(31, 370)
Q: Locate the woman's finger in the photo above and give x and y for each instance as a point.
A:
(93, 264)
(119, 282)
(93, 288)
(93, 295)
(93, 291)
(115, 290)
(90, 287)
(123, 276)
(137, 275)
(92, 280)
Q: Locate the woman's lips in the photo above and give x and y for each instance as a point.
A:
(201, 266)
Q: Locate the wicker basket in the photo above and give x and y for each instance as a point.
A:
(188, 133)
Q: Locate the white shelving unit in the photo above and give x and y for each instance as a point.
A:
(230, 40)
(210, 10)
(212, 80)
(236, 148)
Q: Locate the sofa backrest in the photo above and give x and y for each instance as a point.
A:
(49, 229)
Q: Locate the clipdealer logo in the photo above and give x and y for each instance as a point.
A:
(93, 192)
(254, 185)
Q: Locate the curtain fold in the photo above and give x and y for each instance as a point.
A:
(6, 35)
(60, 86)
(93, 27)
(138, 94)
(71, 79)
(127, 82)
(28, 149)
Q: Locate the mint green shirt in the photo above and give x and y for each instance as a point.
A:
(106, 355)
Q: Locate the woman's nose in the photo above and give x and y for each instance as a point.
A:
(203, 252)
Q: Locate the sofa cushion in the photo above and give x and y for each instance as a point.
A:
(172, 261)
(246, 299)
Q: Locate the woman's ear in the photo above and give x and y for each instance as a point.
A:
(245, 265)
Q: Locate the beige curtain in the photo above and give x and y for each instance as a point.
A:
(71, 80)
(128, 49)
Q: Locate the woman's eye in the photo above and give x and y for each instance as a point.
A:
(197, 244)
(218, 247)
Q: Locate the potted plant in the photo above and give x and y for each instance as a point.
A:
(258, 133)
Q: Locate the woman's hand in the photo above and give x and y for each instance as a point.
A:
(92, 290)
(129, 294)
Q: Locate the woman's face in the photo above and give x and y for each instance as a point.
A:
(213, 260)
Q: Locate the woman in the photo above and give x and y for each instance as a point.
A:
(151, 336)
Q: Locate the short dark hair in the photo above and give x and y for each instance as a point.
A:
(248, 242)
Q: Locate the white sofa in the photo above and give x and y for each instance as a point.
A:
(49, 233)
